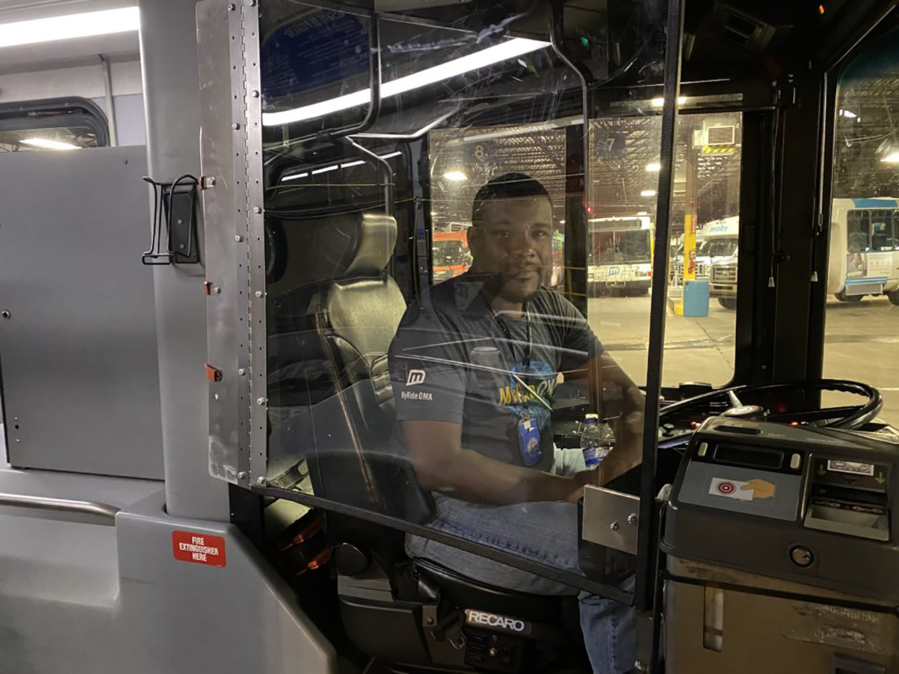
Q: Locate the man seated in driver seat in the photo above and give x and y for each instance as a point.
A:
(474, 367)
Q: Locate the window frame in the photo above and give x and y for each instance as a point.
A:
(70, 111)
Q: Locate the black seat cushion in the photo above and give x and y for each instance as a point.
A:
(468, 594)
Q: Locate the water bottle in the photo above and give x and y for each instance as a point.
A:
(596, 440)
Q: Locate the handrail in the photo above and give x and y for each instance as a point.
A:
(89, 512)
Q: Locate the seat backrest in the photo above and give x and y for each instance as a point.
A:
(334, 322)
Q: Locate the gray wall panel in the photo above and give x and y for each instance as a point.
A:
(78, 353)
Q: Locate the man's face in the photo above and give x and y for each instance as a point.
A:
(514, 245)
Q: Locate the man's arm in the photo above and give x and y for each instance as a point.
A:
(442, 465)
(628, 427)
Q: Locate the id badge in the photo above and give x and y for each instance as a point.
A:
(529, 440)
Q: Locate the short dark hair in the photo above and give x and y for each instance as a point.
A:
(508, 186)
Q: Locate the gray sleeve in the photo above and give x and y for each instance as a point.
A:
(428, 369)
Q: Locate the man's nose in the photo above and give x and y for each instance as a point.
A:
(522, 244)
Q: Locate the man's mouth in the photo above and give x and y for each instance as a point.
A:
(526, 274)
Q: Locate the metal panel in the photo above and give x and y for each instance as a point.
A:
(223, 162)
(255, 193)
(169, 66)
(80, 373)
(610, 519)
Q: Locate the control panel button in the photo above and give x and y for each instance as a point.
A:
(802, 556)
(795, 461)
(703, 448)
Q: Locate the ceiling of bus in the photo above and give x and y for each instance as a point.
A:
(26, 57)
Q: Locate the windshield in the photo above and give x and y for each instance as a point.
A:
(624, 247)
(718, 248)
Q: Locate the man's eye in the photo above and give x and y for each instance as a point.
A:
(541, 234)
(501, 233)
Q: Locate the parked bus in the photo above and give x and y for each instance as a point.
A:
(621, 255)
(864, 249)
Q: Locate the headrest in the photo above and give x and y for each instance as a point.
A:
(333, 248)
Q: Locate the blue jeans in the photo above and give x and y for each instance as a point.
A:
(540, 532)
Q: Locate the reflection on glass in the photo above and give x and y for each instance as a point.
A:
(432, 355)
(863, 261)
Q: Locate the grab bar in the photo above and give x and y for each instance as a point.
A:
(69, 510)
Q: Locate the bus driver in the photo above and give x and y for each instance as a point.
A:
(474, 366)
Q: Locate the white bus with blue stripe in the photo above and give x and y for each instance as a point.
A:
(864, 249)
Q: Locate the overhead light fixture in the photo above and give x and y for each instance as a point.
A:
(659, 102)
(892, 158)
(642, 213)
(654, 167)
(445, 71)
(326, 169)
(848, 113)
(70, 26)
(455, 176)
(648, 193)
(47, 144)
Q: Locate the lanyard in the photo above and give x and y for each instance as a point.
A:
(508, 335)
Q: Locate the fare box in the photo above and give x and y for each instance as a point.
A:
(195, 548)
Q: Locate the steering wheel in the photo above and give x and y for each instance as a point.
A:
(850, 417)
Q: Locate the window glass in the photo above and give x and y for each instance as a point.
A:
(53, 125)
(435, 338)
(703, 251)
(863, 260)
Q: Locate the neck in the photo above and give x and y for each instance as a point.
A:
(504, 306)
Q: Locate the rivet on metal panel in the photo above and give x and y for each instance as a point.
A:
(207, 182)
(614, 526)
(231, 7)
(260, 480)
(257, 210)
(238, 238)
(241, 475)
(259, 293)
(216, 290)
(261, 401)
(254, 94)
(241, 372)
(251, 3)
(632, 519)
(6, 315)
(235, 126)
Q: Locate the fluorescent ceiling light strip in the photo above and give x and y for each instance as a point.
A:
(445, 71)
(48, 144)
(297, 176)
(70, 26)
(892, 158)
(648, 193)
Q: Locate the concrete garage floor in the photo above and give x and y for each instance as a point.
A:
(862, 343)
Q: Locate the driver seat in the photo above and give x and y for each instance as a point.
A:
(328, 368)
